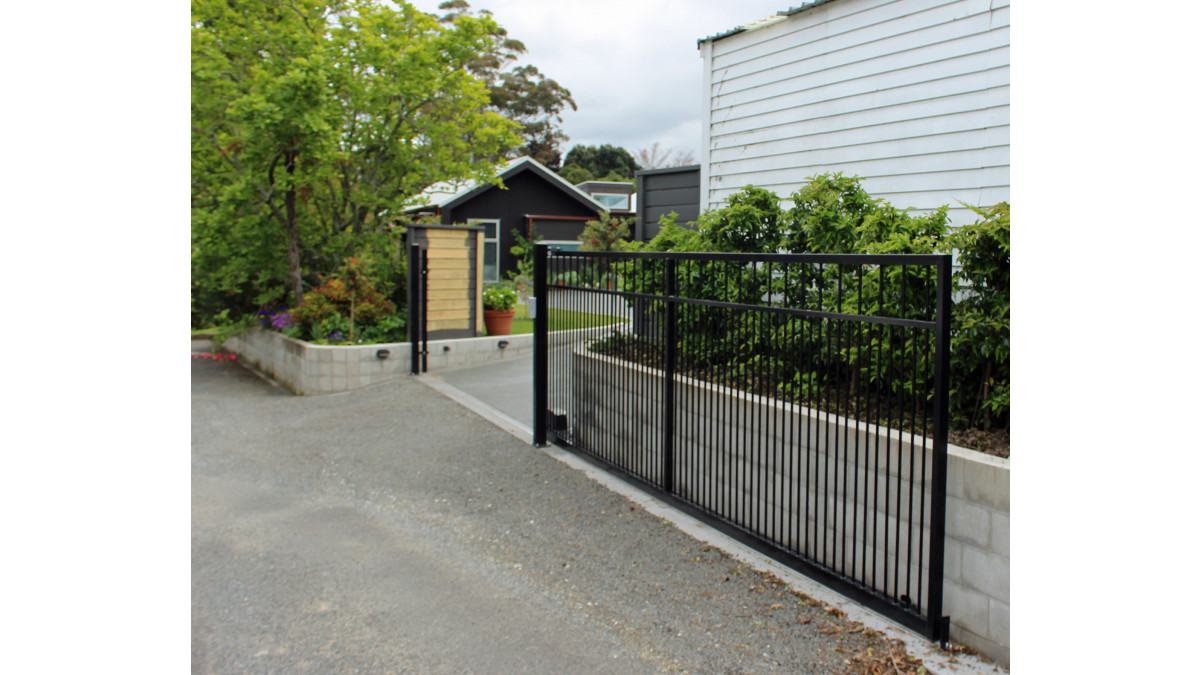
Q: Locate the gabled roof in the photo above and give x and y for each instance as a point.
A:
(449, 195)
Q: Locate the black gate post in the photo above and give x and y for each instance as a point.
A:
(541, 344)
(424, 310)
(938, 627)
(668, 477)
(415, 320)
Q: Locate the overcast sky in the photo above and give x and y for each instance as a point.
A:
(632, 65)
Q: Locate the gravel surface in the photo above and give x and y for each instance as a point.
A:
(390, 529)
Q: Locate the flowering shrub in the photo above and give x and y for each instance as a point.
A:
(278, 319)
(606, 234)
(282, 321)
(499, 298)
(345, 302)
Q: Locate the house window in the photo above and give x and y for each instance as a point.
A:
(612, 201)
(491, 247)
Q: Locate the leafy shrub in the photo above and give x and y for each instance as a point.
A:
(980, 334)
(344, 301)
(388, 329)
(606, 234)
(752, 222)
(522, 279)
(499, 298)
(833, 214)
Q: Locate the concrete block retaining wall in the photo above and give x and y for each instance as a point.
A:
(326, 369)
(310, 369)
(616, 411)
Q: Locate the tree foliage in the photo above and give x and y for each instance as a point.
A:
(520, 93)
(313, 123)
(575, 174)
(605, 162)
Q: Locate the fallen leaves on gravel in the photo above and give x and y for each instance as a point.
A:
(894, 659)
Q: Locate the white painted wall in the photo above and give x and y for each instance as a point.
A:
(910, 95)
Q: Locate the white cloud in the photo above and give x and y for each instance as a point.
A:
(632, 65)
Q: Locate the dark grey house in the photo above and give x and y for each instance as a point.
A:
(534, 201)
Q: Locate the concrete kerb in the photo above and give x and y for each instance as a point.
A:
(936, 661)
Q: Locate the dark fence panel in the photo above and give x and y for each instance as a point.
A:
(796, 401)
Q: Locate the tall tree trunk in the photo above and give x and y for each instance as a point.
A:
(293, 234)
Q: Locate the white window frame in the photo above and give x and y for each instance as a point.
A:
(484, 240)
(612, 194)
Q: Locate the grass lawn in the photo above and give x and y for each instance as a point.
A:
(560, 319)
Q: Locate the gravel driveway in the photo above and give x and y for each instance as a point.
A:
(389, 529)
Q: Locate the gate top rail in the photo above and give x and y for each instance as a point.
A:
(814, 258)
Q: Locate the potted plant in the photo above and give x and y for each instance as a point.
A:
(499, 307)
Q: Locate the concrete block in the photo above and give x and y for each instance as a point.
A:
(967, 522)
(339, 355)
(967, 607)
(963, 636)
(955, 476)
(339, 368)
(325, 355)
(999, 543)
(988, 574)
(987, 485)
(998, 623)
(953, 560)
(339, 382)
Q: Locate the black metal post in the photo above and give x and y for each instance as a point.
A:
(668, 477)
(939, 626)
(415, 319)
(424, 310)
(541, 344)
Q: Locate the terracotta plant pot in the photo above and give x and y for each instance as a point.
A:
(498, 322)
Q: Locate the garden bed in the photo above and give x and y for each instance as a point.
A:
(993, 442)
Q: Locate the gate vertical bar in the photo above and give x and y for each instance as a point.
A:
(668, 472)
(541, 345)
(415, 320)
(938, 626)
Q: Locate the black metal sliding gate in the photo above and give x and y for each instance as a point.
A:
(797, 402)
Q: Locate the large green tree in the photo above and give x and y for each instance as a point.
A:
(520, 93)
(314, 123)
(605, 162)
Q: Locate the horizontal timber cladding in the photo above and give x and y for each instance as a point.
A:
(663, 191)
(452, 280)
(798, 402)
(909, 95)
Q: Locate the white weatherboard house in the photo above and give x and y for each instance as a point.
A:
(910, 95)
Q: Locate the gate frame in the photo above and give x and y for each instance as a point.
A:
(935, 626)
